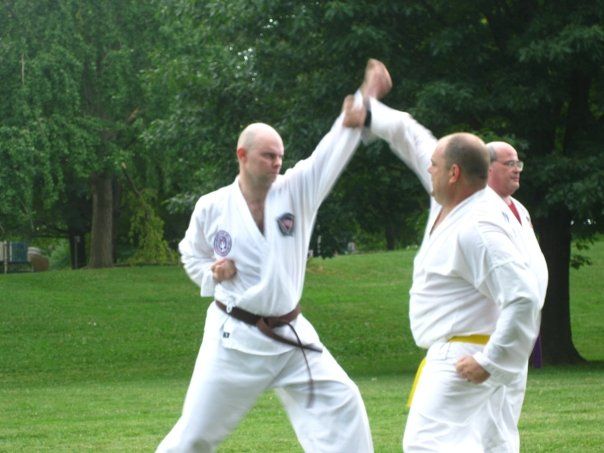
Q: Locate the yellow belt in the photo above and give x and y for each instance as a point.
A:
(474, 339)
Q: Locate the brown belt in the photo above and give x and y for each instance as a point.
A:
(266, 324)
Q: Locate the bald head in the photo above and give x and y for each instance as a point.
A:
(458, 168)
(256, 133)
(505, 168)
(499, 148)
(470, 154)
(260, 154)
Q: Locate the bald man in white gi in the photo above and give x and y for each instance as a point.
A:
(504, 179)
(247, 246)
(475, 303)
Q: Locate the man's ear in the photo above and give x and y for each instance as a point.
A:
(241, 153)
(454, 173)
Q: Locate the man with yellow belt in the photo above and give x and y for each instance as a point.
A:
(475, 303)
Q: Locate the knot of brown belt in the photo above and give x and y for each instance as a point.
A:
(266, 324)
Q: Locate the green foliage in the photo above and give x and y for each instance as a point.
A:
(288, 64)
(59, 255)
(500, 72)
(71, 101)
(167, 86)
(385, 197)
(147, 231)
(71, 79)
(16, 152)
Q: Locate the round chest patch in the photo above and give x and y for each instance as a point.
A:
(222, 243)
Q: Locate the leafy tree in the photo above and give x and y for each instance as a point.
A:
(72, 96)
(228, 64)
(561, 55)
(39, 94)
(531, 73)
(527, 72)
(75, 107)
(115, 36)
(146, 229)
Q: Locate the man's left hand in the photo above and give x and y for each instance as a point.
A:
(469, 369)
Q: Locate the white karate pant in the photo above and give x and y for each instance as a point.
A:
(450, 414)
(226, 383)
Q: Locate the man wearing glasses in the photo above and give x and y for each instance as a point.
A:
(504, 176)
(504, 179)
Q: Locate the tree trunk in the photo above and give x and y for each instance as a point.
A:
(101, 238)
(556, 335)
(556, 240)
(117, 193)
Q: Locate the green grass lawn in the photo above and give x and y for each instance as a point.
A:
(100, 360)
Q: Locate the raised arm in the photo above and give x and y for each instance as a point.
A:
(409, 140)
(317, 174)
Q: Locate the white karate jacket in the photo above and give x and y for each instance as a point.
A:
(472, 274)
(270, 267)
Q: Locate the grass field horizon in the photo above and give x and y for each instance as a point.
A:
(99, 360)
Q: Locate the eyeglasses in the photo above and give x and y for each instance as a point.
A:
(513, 163)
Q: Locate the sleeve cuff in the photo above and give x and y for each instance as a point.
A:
(497, 374)
(207, 284)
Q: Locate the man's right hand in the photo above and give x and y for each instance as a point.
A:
(377, 81)
(223, 269)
